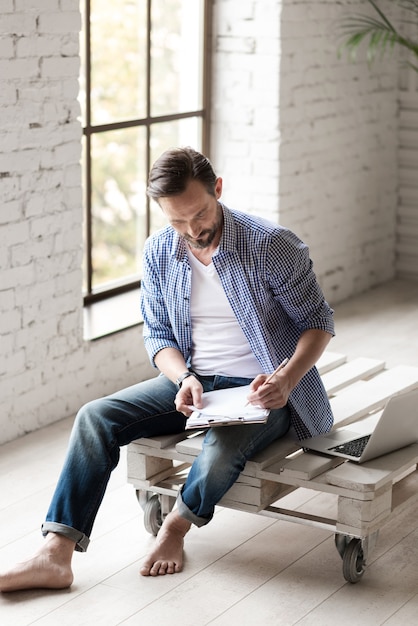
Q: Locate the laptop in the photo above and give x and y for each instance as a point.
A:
(396, 428)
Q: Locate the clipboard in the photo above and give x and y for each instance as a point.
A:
(226, 407)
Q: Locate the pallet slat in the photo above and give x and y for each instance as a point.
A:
(350, 372)
(373, 394)
(330, 360)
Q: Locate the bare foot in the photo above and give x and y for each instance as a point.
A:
(50, 568)
(167, 554)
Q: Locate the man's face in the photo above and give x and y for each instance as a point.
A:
(195, 214)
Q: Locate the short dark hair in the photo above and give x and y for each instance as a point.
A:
(175, 168)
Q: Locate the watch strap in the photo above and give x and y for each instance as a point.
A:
(183, 377)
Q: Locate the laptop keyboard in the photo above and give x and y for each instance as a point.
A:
(353, 448)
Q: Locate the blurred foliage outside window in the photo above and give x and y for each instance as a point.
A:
(141, 89)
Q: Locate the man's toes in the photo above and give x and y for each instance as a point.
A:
(170, 568)
(158, 568)
(145, 569)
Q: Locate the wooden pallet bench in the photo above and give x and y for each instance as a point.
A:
(367, 494)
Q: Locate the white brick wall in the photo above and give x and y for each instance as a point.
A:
(305, 138)
(339, 136)
(298, 136)
(407, 225)
(407, 228)
(245, 109)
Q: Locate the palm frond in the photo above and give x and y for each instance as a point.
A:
(379, 33)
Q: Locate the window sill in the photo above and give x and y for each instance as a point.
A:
(112, 315)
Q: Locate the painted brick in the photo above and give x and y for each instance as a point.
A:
(29, 5)
(36, 45)
(60, 22)
(6, 48)
(58, 67)
(15, 233)
(7, 6)
(16, 23)
(19, 69)
(11, 321)
(11, 212)
(8, 95)
(19, 161)
(7, 301)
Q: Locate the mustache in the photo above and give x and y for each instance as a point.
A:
(204, 233)
(203, 241)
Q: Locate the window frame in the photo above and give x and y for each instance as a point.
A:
(123, 285)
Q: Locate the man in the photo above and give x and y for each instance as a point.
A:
(226, 297)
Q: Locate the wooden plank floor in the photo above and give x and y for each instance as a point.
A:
(240, 569)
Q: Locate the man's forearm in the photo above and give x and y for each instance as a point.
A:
(171, 363)
(310, 347)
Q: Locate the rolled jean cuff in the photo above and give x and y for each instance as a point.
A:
(186, 513)
(80, 539)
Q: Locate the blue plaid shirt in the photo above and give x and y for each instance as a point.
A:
(268, 279)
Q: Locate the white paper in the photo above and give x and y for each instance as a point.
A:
(226, 406)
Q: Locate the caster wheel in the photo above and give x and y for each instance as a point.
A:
(152, 515)
(341, 542)
(353, 561)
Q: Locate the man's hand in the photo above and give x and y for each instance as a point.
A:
(270, 395)
(190, 394)
(275, 393)
(171, 363)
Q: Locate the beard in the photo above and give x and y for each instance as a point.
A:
(204, 241)
(207, 236)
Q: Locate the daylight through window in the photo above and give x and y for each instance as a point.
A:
(143, 90)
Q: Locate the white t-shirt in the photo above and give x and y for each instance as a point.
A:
(219, 345)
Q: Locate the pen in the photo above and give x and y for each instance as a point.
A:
(281, 366)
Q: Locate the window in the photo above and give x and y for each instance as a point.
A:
(143, 89)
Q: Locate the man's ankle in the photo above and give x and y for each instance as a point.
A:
(174, 522)
(59, 545)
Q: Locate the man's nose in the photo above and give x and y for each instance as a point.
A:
(194, 229)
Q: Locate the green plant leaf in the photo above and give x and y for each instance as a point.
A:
(378, 33)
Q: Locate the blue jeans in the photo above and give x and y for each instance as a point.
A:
(147, 410)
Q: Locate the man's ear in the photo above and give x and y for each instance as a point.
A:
(218, 188)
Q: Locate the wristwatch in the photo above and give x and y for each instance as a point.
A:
(180, 379)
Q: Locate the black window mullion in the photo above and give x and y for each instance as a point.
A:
(148, 109)
(87, 156)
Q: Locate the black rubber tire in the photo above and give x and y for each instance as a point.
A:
(152, 515)
(353, 561)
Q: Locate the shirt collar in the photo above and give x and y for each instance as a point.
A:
(228, 238)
